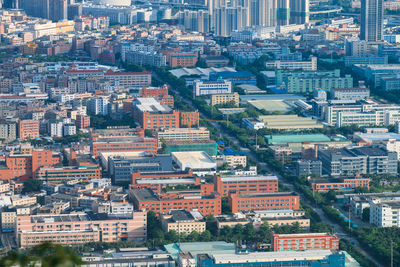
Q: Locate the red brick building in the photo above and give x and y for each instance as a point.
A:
(157, 181)
(146, 199)
(189, 118)
(286, 242)
(159, 93)
(263, 201)
(151, 114)
(123, 144)
(82, 121)
(24, 166)
(245, 184)
(116, 132)
(182, 59)
(340, 183)
(28, 129)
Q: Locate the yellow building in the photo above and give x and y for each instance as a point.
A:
(30, 48)
(23, 201)
(220, 99)
(8, 220)
(183, 221)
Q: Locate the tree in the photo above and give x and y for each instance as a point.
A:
(172, 236)
(365, 214)
(225, 206)
(250, 232)
(47, 254)
(205, 236)
(331, 196)
(148, 133)
(31, 185)
(193, 236)
(211, 225)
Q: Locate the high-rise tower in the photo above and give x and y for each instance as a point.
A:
(371, 20)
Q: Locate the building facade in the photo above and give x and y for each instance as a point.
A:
(70, 229)
(263, 201)
(296, 242)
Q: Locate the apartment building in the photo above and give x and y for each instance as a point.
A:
(222, 99)
(384, 212)
(297, 242)
(146, 199)
(245, 184)
(263, 201)
(28, 129)
(8, 131)
(183, 221)
(80, 228)
(82, 121)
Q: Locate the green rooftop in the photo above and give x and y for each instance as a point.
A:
(281, 139)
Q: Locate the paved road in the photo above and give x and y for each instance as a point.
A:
(337, 228)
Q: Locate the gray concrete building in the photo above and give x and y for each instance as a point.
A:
(358, 160)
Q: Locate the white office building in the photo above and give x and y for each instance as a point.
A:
(55, 129)
(69, 129)
(385, 213)
(211, 87)
(293, 65)
(99, 105)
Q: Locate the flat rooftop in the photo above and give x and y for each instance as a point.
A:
(198, 71)
(150, 105)
(188, 142)
(289, 121)
(311, 255)
(71, 217)
(193, 158)
(120, 139)
(280, 139)
(144, 195)
(274, 194)
(376, 137)
(369, 151)
(248, 178)
(166, 181)
(271, 105)
(181, 215)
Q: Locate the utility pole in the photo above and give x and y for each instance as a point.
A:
(391, 253)
(349, 218)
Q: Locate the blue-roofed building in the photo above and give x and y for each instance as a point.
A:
(240, 77)
(350, 61)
